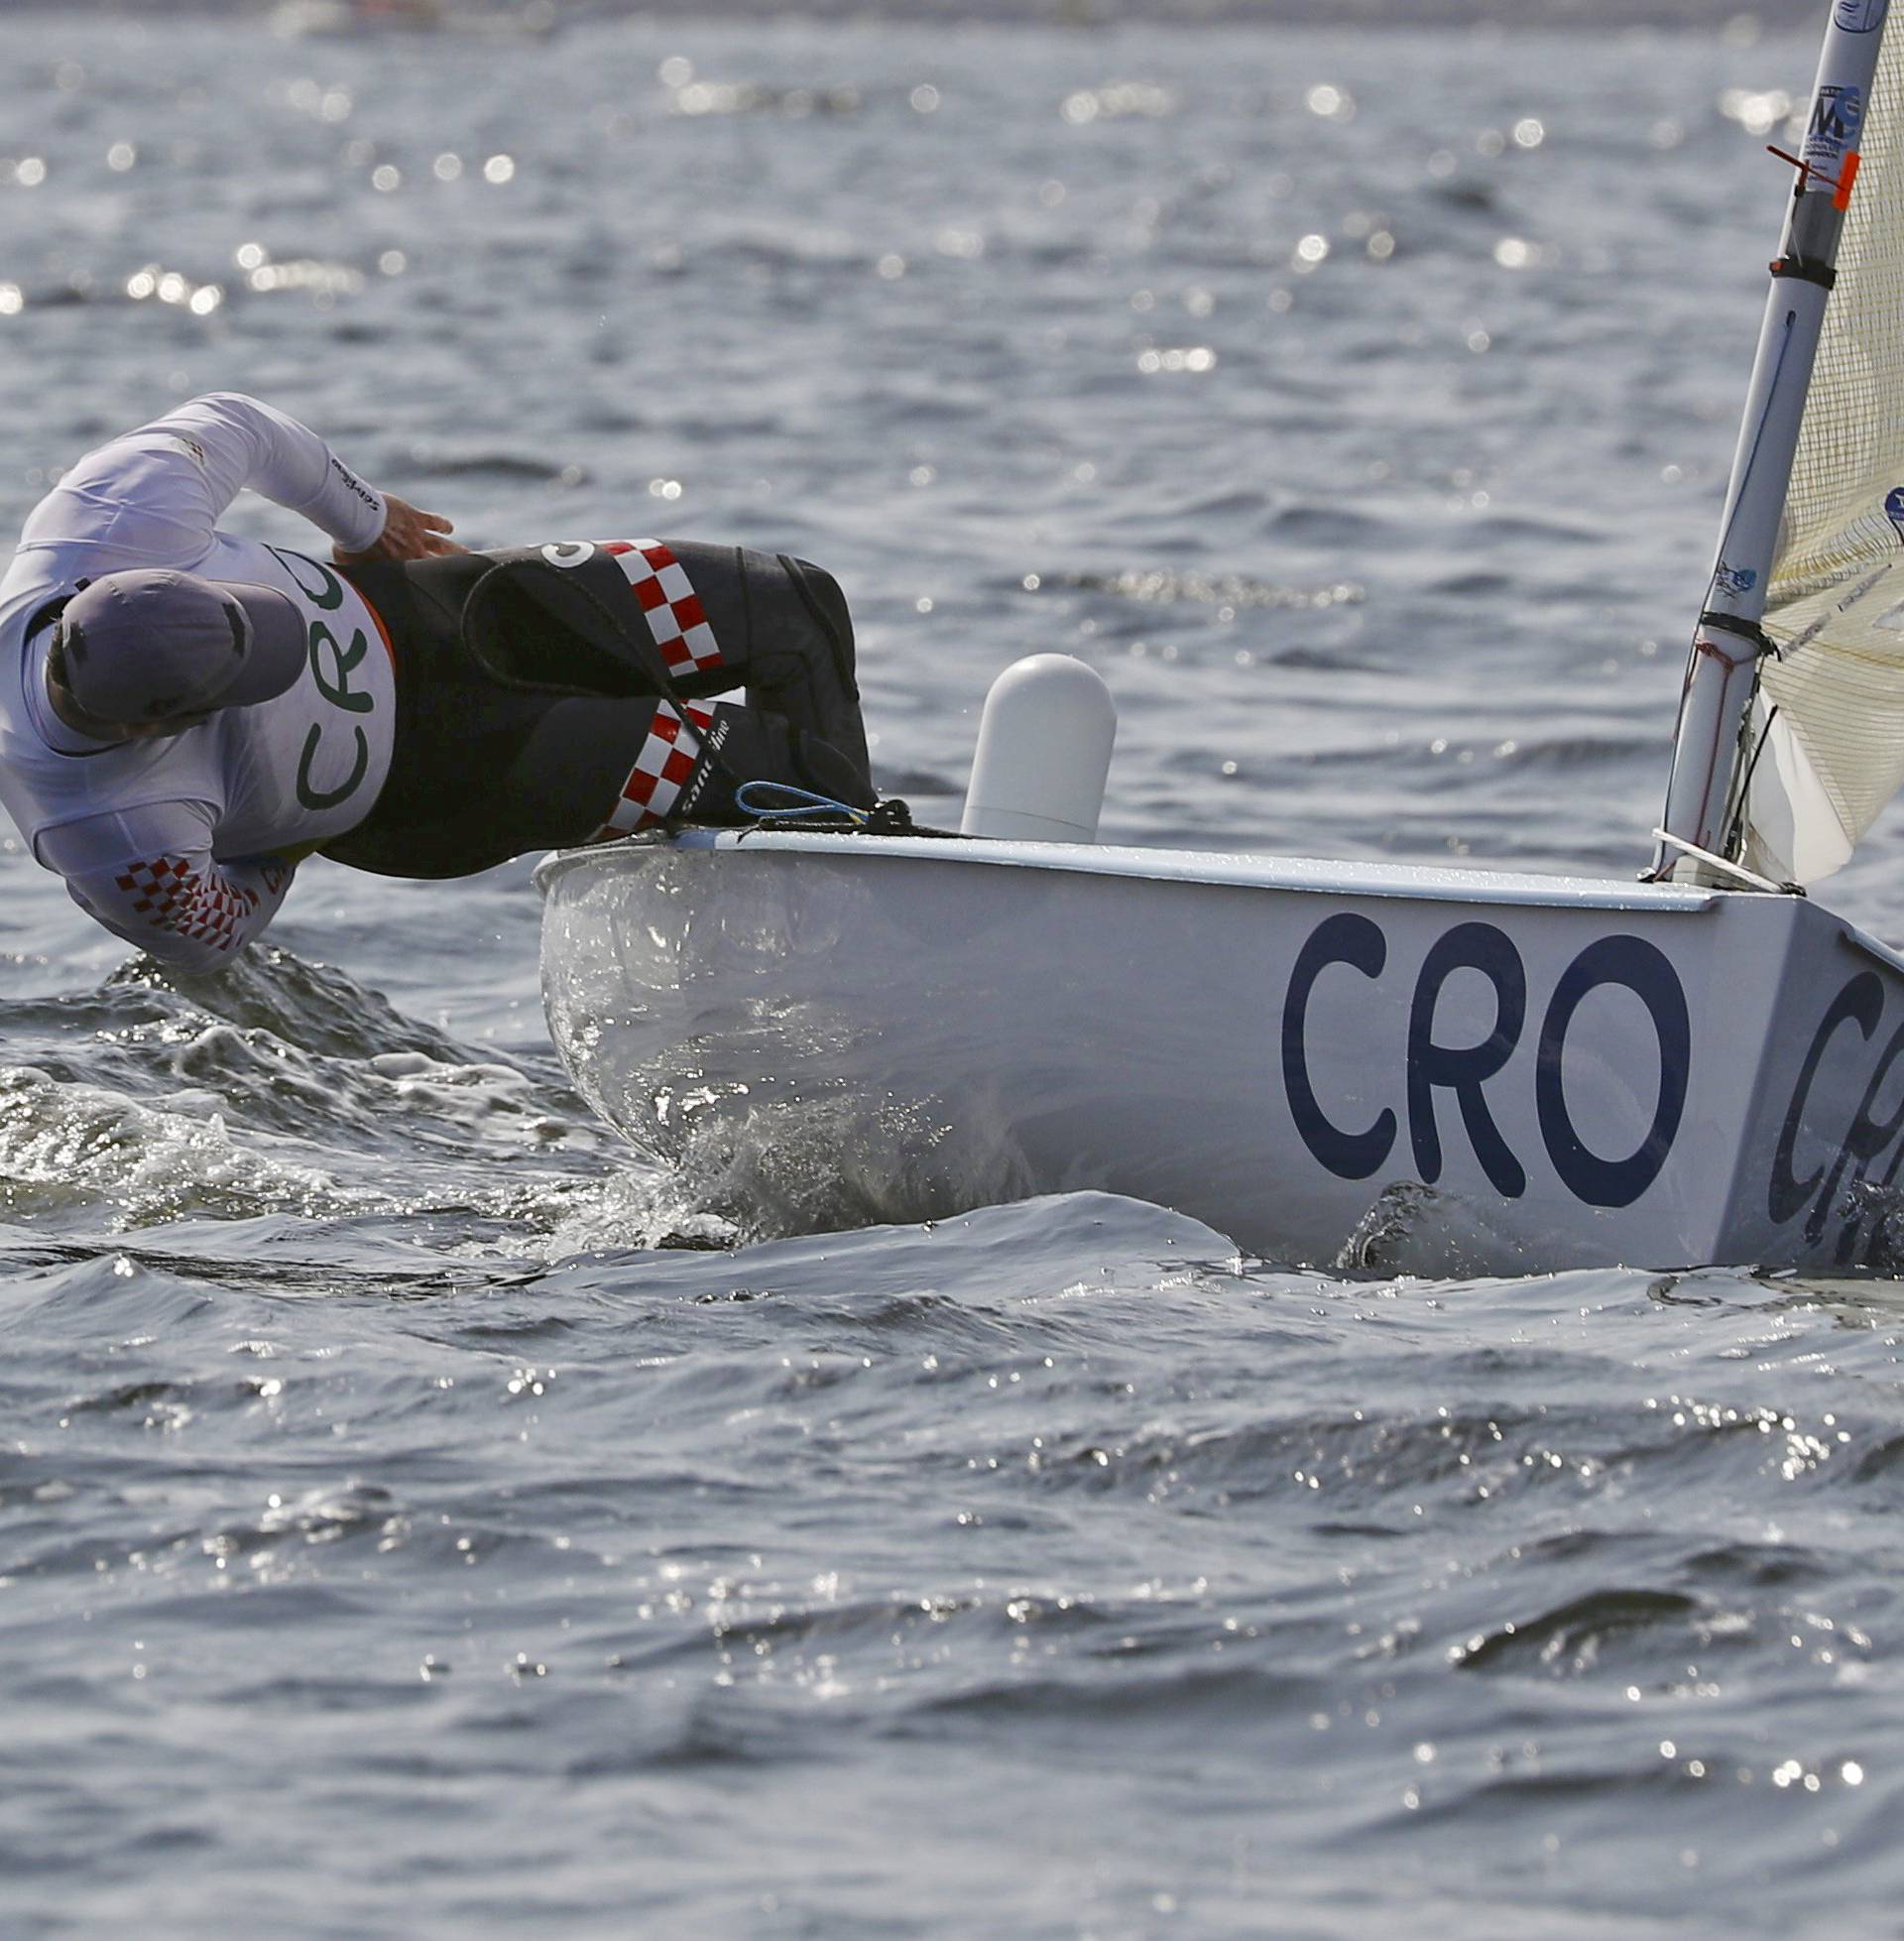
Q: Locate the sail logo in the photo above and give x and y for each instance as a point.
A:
(1894, 509)
(1836, 116)
(1860, 16)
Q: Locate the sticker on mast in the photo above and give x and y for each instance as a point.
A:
(1836, 116)
(1860, 16)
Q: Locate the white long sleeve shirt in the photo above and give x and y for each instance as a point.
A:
(174, 845)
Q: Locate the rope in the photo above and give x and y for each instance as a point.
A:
(798, 802)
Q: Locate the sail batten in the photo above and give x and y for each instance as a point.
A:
(1831, 700)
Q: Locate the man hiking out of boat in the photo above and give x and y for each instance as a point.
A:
(185, 714)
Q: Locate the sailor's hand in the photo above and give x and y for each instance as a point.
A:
(407, 535)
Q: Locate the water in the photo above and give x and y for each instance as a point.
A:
(397, 1538)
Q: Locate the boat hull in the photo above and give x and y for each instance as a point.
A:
(1325, 1061)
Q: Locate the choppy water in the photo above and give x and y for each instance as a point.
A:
(395, 1540)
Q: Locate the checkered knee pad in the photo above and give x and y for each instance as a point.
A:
(667, 596)
(667, 759)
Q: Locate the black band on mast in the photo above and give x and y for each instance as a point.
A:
(1748, 630)
(1822, 274)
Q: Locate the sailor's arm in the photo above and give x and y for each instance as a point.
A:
(150, 878)
(154, 496)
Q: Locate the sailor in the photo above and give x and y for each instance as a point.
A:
(185, 715)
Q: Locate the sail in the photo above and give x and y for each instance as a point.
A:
(1833, 756)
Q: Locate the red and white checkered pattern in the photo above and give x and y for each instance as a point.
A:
(664, 764)
(674, 616)
(173, 896)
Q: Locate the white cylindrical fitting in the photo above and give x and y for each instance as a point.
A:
(1044, 749)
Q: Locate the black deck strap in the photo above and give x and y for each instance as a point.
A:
(891, 817)
(1806, 271)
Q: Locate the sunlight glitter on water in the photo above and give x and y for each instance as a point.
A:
(1178, 1563)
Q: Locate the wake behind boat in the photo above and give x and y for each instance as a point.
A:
(1313, 1057)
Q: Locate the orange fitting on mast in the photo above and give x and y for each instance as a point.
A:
(1841, 194)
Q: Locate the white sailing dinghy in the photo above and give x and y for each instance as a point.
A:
(1702, 1066)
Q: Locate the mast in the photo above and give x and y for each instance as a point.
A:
(1721, 670)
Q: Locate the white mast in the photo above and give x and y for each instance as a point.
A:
(1722, 669)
